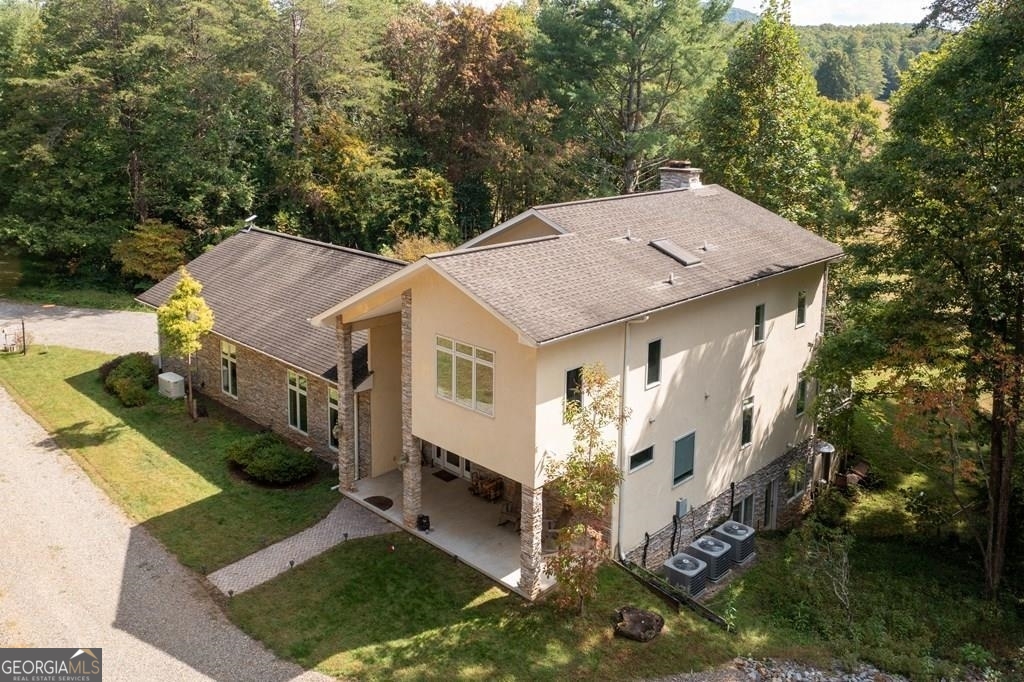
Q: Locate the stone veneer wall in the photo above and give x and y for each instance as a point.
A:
(705, 517)
(365, 451)
(263, 396)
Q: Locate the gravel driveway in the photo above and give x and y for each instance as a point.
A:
(109, 331)
(75, 571)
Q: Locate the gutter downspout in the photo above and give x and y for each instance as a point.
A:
(623, 460)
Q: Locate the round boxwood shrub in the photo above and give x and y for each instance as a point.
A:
(129, 377)
(268, 459)
(128, 391)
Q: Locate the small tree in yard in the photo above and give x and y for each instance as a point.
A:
(586, 480)
(183, 322)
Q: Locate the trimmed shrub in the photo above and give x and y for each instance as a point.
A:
(128, 391)
(138, 366)
(268, 459)
(129, 377)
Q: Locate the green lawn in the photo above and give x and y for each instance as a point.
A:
(366, 612)
(164, 470)
(393, 607)
(917, 597)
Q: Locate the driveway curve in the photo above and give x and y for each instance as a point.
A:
(109, 331)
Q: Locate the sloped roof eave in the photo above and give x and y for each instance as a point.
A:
(642, 313)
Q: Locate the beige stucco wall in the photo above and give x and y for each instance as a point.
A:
(385, 399)
(527, 228)
(554, 438)
(504, 442)
(709, 365)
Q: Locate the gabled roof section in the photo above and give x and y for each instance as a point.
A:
(602, 269)
(527, 225)
(264, 286)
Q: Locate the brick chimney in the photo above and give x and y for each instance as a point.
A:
(679, 175)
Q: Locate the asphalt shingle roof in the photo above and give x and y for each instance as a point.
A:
(592, 276)
(264, 286)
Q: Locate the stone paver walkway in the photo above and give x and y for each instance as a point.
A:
(348, 520)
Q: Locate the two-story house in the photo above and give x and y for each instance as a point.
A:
(705, 308)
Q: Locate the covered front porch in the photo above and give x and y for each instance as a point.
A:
(461, 524)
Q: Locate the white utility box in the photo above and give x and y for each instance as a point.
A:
(171, 385)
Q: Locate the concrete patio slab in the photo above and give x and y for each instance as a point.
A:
(462, 525)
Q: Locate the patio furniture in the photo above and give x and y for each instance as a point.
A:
(510, 514)
(490, 489)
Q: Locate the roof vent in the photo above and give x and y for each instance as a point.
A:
(673, 250)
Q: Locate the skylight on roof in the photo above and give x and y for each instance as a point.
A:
(673, 250)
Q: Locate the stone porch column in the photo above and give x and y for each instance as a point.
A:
(531, 538)
(411, 472)
(346, 404)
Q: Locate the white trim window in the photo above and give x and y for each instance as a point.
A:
(229, 369)
(684, 451)
(654, 363)
(743, 510)
(759, 323)
(573, 393)
(464, 374)
(298, 389)
(801, 396)
(796, 480)
(642, 458)
(747, 422)
(332, 417)
(801, 308)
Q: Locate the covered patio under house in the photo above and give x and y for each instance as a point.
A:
(504, 537)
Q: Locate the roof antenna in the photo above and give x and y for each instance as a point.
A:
(248, 222)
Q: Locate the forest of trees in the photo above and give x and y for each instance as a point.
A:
(137, 131)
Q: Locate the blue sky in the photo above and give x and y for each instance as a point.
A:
(810, 12)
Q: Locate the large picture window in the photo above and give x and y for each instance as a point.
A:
(465, 374)
(229, 368)
(298, 388)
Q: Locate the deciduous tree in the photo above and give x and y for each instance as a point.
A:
(949, 243)
(586, 480)
(183, 322)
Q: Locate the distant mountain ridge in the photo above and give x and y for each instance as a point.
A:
(735, 15)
